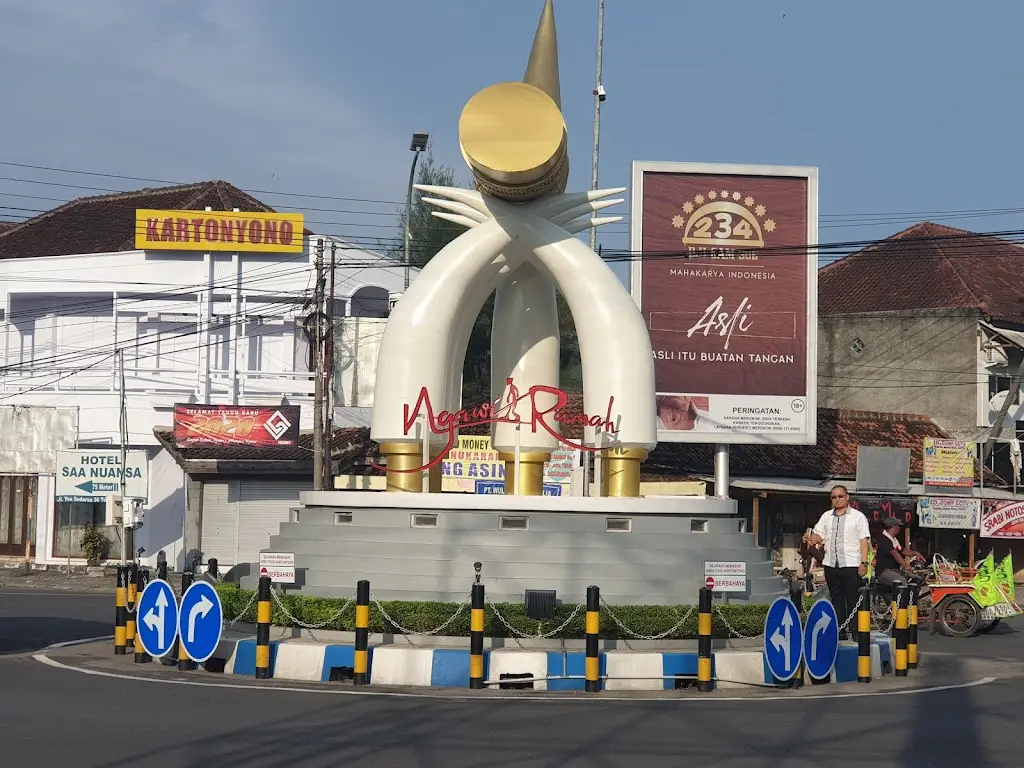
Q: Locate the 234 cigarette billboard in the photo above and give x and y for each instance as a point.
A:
(726, 279)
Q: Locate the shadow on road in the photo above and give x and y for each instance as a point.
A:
(20, 634)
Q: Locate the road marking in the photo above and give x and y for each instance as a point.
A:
(44, 659)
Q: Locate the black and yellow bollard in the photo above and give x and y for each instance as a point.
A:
(704, 684)
(185, 664)
(141, 580)
(263, 629)
(592, 670)
(132, 599)
(912, 627)
(121, 612)
(864, 636)
(361, 662)
(902, 598)
(476, 638)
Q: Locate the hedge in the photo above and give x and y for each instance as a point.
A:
(748, 620)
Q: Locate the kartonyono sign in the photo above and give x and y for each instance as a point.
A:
(233, 231)
(727, 284)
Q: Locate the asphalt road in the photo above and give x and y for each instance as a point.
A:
(49, 715)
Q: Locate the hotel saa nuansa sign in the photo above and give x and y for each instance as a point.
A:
(948, 463)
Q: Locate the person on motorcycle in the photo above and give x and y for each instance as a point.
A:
(890, 558)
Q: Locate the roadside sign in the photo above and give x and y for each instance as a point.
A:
(96, 475)
(821, 639)
(726, 576)
(783, 648)
(279, 566)
(157, 618)
(200, 621)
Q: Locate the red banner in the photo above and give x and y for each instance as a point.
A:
(261, 426)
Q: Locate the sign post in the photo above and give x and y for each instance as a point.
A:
(821, 639)
(725, 576)
(783, 649)
(157, 625)
(279, 566)
(200, 621)
(88, 476)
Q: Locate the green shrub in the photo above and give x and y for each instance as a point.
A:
(747, 620)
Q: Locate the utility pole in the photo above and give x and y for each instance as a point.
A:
(599, 97)
(329, 379)
(318, 380)
(124, 458)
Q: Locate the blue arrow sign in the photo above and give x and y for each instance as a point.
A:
(782, 639)
(200, 621)
(156, 614)
(821, 639)
(90, 487)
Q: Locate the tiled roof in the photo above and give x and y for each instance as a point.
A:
(928, 266)
(6, 225)
(106, 223)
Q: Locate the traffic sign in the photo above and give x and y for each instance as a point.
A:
(709, 582)
(200, 621)
(94, 475)
(157, 618)
(821, 639)
(783, 648)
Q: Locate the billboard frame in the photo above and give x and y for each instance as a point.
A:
(636, 208)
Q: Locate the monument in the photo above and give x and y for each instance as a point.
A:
(415, 542)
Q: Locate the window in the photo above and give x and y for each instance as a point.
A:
(70, 520)
(857, 345)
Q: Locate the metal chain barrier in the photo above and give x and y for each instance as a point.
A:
(639, 636)
(406, 631)
(298, 622)
(733, 632)
(241, 613)
(525, 635)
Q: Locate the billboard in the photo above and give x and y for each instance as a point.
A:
(32, 435)
(259, 426)
(1002, 519)
(473, 466)
(727, 283)
(93, 475)
(232, 231)
(954, 513)
(948, 462)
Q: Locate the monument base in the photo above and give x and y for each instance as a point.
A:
(416, 546)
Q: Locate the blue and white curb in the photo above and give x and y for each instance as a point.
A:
(393, 665)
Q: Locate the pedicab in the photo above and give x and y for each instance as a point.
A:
(963, 602)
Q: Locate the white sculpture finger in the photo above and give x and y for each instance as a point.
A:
(455, 207)
(592, 206)
(575, 227)
(553, 206)
(464, 221)
(470, 197)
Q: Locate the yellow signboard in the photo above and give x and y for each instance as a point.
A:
(948, 462)
(218, 231)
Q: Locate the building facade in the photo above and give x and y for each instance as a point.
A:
(87, 317)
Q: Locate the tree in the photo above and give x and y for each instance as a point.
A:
(427, 236)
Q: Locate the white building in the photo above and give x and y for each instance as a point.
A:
(193, 327)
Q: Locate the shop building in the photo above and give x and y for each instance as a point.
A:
(120, 293)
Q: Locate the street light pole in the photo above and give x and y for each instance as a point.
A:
(599, 97)
(418, 144)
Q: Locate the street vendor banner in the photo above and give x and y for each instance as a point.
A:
(473, 466)
(1002, 519)
(951, 513)
(948, 463)
(254, 426)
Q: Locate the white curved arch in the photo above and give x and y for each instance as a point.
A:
(416, 348)
(615, 346)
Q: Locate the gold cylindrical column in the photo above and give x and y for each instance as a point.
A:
(434, 473)
(532, 467)
(620, 471)
(403, 456)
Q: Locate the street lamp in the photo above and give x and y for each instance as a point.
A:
(418, 144)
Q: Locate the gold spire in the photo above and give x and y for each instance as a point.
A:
(542, 69)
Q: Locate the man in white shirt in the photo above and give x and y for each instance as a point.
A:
(844, 536)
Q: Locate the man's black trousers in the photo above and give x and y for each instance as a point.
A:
(843, 589)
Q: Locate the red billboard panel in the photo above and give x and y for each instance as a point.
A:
(725, 275)
(258, 426)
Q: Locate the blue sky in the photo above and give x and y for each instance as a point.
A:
(907, 108)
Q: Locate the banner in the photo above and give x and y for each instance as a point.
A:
(473, 466)
(1002, 519)
(232, 231)
(254, 426)
(877, 508)
(952, 513)
(728, 288)
(948, 462)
